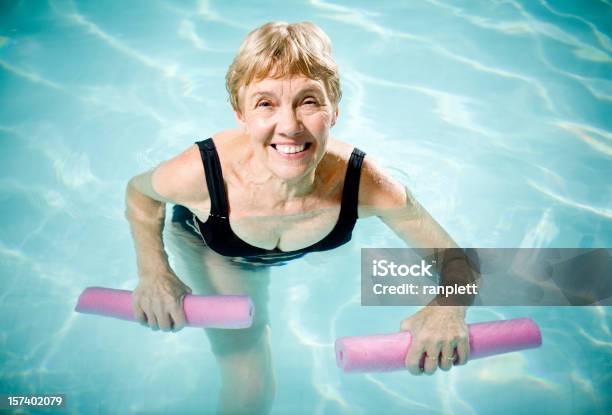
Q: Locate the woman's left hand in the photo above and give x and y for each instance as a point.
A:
(439, 338)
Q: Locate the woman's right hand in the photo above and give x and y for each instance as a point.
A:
(157, 302)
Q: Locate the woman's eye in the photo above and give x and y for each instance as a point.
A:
(263, 104)
(310, 102)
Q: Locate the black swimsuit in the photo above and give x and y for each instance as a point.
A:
(218, 234)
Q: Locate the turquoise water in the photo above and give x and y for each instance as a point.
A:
(496, 115)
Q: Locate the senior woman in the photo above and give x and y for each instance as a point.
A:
(273, 189)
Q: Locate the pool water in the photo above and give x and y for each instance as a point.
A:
(496, 114)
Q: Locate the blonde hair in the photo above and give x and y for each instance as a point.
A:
(279, 49)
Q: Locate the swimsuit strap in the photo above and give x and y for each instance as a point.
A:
(214, 179)
(350, 192)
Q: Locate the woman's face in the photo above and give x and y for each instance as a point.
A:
(288, 121)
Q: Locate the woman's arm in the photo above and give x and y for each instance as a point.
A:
(178, 180)
(438, 332)
(383, 196)
(145, 211)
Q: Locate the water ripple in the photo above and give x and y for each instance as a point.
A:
(29, 76)
(587, 134)
(168, 70)
(362, 20)
(604, 41)
(600, 211)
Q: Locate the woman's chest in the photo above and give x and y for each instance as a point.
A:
(288, 226)
(287, 232)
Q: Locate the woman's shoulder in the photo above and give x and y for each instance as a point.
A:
(378, 190)
(332, 167)
(223, 137)
(338, 150)
(230, 146)
(175, 180)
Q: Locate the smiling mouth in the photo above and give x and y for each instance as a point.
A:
(291, 149)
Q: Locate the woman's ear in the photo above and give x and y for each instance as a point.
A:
(335, 116)
(240, 120)
(238, 112)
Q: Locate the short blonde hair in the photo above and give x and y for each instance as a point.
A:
(279, 49)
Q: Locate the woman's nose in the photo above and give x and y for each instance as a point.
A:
(289, 122)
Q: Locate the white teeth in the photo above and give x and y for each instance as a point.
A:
(290, 149)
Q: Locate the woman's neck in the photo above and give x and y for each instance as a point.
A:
(257, 174)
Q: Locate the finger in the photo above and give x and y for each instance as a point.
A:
(178, 318)
(432, 356)
(139, 314)
(181, 300)
(413, 360)
(422, 362)
(163, 318)
(463, 349)
(447, 356)
(152, 320)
